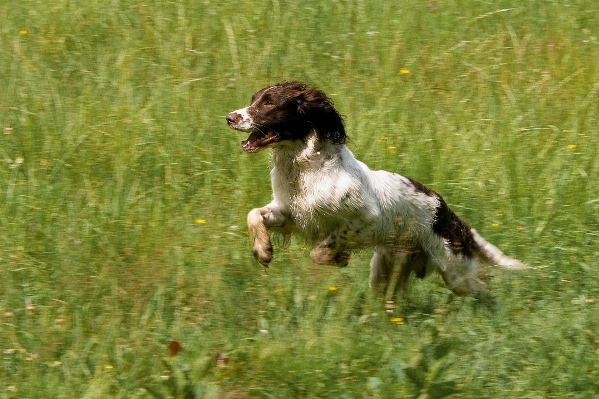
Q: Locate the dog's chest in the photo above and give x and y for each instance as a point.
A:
(316, 193)
(306, 189)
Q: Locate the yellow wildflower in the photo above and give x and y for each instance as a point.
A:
(404, 71)
(201, 221)
(398, 320)
(571, 146)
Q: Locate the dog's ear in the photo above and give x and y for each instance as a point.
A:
(319, 110)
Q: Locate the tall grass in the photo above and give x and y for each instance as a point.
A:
(123, 198)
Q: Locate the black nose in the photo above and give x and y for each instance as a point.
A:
(233, 117)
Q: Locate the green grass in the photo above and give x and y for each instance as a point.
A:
(123, 197)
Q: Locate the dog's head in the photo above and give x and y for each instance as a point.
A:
(287, 111)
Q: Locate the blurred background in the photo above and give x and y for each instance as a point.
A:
(125, 269)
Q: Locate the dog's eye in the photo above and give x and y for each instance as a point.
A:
(268, 103)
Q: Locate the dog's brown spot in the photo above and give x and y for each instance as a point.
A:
(448, 225)
(454, 230)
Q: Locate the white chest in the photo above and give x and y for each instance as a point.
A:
(321, 190)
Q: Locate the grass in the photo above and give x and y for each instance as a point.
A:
(123, 197)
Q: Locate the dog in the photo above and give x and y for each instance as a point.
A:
(338, 205)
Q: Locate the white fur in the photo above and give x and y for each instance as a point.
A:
(245, 123)
(322, 193)
(338, 205)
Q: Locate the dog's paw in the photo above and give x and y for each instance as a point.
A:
(258, 235)
(326, 256)
(263, 254)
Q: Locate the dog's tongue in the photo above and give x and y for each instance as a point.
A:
(257, 141)
(247, 146)
(252, 144)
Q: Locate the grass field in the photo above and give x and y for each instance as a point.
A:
(123, 197)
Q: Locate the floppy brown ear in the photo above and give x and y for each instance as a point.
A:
(320, 112)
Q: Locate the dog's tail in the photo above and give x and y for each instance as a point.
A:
(492, 254)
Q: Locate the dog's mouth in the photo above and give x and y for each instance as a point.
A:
(258, 140)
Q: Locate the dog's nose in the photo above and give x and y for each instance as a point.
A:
(233, 117)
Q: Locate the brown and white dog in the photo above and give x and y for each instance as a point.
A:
(322, 193)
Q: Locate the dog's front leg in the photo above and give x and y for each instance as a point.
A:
(259, 220)
(322, 255)
(331, 251)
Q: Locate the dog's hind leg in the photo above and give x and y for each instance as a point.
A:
(258, 220)
(413, 262)
(381, 268)
(460, 273)
(390, 271)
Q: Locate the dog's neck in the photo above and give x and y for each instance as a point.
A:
(302, 171)
(300, 152)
